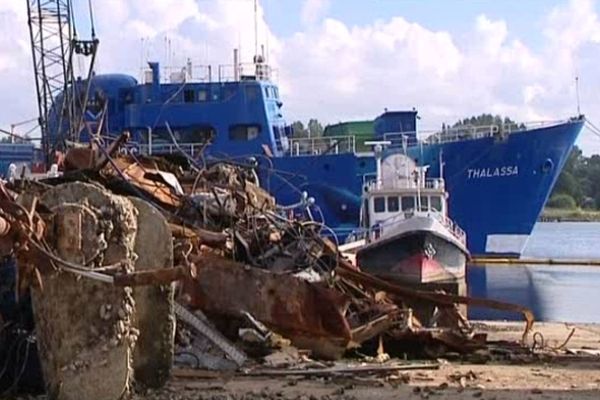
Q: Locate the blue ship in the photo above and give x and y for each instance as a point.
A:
(498, 177)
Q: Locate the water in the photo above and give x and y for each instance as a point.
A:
(554, 293)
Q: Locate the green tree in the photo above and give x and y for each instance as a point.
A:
(486, 120)
(562, 200)
(315, 129)
(299, 131)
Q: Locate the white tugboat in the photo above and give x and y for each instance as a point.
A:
(409, 237)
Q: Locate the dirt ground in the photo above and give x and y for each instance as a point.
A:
(573, 374)
(563, 376)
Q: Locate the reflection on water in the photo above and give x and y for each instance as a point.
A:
(554, 293)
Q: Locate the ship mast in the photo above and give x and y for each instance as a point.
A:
(55, 46)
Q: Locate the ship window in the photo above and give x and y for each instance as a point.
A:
(200, 134)
(188, 96)
(379, 204)
(436, 203)
(408, 203)
(424, 203)
(202, 95)
(244, 132)
(392, 204)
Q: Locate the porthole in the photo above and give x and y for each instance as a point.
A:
(547, 166)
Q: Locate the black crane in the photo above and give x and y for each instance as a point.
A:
(55, 46)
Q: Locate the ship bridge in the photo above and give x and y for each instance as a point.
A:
(234, 108)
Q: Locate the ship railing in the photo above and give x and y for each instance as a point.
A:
(260, 72)
(404, 183)
(376, 231)
(322, 145)
(463, 132)
(193, 149)
(453, 228)
(214, 73)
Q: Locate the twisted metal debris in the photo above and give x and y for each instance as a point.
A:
(103, 246)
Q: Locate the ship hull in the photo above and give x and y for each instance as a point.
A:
(420, 254)
(497, 187)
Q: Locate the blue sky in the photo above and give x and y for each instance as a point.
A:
(454, 15)
(349, 59)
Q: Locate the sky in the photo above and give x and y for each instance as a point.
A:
(339, 60)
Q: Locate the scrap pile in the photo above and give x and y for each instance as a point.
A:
(119, 246)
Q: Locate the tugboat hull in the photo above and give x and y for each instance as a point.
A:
(415, 255)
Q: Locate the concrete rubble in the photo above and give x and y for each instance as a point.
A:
(119, 247)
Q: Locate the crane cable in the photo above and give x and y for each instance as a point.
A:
(72, 19)
(92, 19)
(593, 128)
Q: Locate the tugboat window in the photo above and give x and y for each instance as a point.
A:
(188, 96)
(379, 204)
(408, 203)
(424, 203)
(436, 203)
(244, 132)
(202, 95)
(393, 204)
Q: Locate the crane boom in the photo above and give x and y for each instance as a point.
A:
(54, 45)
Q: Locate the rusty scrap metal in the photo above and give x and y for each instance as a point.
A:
(237, 255)
(436, 298)
(143, 175)
(211, 334)
(153, 277)
(312, 316)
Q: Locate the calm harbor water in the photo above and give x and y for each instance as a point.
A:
(554, 293)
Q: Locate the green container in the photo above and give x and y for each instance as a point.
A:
(361, 130)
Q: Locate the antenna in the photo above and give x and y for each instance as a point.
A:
(577, 92)
(166, 44)
(268, 49)
(142, 54)
(255, 27)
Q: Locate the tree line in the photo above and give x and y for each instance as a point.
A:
(578, 185)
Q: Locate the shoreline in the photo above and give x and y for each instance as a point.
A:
(566, 215)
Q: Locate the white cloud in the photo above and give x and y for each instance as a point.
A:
(206, 32)
(339, 72)
(17, 90)
(335, 71)
(313, 10)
